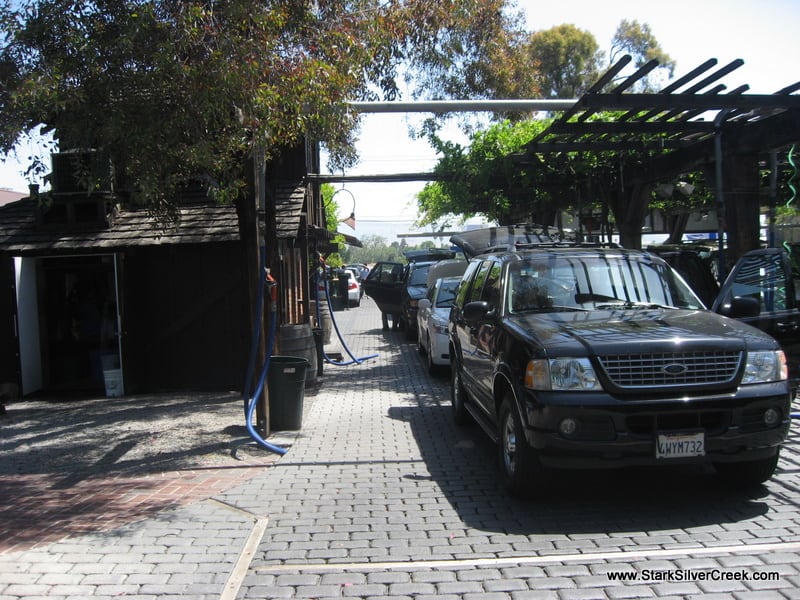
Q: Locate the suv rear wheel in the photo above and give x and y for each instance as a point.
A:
(458, 395)
(523, 474)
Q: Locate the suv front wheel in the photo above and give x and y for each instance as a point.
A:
(523, 475)
(748, 474)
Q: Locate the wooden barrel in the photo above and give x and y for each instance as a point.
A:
(324, 317)
(298, 340)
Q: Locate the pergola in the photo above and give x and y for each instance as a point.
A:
(691, 124)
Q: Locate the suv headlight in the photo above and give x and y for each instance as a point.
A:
(561, 374)
(765, 366)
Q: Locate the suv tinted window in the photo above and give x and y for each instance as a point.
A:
(491, 289)
(464, 288)
(480, 280)
(419, 275)
(386, 273)
(761, 277)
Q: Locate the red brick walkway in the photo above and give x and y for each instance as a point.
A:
(39, 509)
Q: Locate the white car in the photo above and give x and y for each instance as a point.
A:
(354, 291)
(432, 320)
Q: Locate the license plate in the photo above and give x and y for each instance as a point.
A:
(680, 445)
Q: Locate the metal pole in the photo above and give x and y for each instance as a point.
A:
(445, 106)
(773, 190)
(722, 270)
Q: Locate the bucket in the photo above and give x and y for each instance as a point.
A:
(286, 379)
(298, 340)
(112, 375)
(113, 382)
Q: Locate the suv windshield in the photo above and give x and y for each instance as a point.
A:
(447, 293)
(419, 276)
(594, 282)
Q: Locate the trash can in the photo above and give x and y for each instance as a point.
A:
(286, 383)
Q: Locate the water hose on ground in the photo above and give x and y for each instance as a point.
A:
(328, 359)
(260, 387)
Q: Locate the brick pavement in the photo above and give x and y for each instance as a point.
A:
(36, 511)
(72, 467)
(381, 495)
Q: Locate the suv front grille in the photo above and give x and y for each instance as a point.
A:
(671, 369)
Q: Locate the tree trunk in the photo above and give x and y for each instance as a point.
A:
(742, 214)
(629, 208)
(677, 227)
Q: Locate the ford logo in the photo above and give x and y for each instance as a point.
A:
(675, 369)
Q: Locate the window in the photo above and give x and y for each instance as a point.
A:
(761, 276)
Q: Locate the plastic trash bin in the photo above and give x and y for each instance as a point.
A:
(286, 383)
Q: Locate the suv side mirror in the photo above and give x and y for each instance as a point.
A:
(740, 307)
(477, 311)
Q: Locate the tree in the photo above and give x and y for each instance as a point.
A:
(638, 41)
(484, 178)
(478, 61)
(172, 92)
(568, 60)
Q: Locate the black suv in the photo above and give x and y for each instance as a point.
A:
(397, 288)
(590, 357)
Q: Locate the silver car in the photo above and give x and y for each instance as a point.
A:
(432, 319)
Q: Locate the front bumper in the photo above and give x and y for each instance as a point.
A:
(439, 349)
(624, 433)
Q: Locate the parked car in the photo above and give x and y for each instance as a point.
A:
(695, 270)
(361, 271)
(592, 357)
(397, 288)
(761, 290)
(432, 321)
(767, 275)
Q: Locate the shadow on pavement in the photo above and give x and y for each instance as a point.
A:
(462, 461)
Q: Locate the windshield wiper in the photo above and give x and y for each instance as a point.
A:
(547, 309)
(628, 304)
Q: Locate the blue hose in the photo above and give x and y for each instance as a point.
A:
(251, 361)
(259, 388)
(250, 401)
(354, 361)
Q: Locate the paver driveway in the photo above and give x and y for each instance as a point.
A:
(381, 495)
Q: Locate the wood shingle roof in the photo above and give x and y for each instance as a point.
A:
(199, 222)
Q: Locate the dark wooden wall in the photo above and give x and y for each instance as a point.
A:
(185, 318)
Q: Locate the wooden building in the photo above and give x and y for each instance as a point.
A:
(91, 287)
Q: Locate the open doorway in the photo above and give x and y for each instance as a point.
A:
(77, 323)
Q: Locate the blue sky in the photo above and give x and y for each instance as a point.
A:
(765, 34)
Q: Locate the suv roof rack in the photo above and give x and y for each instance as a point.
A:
(553, 244)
